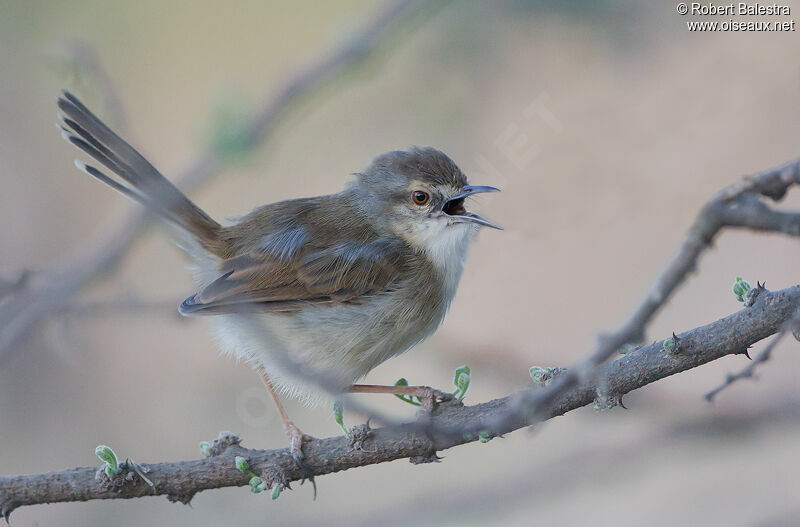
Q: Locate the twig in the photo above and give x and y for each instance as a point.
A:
(179, 481)
(735, 206)
(54, 288)
(538, 482)
(762, 357)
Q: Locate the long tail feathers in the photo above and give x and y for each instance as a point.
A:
(145, 184)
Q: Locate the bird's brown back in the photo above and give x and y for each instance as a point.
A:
(310, 250)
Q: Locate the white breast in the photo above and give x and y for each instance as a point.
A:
(446, 245)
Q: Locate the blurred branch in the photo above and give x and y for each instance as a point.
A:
(763, 356)
(739, 206)
(124, 306)
(537, 483)
(180, 481)
(47, 292)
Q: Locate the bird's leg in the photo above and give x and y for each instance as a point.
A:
(426, 394)
(296, 436)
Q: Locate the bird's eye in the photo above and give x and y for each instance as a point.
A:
(420, 197)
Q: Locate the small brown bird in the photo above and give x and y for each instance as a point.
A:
(314, 292)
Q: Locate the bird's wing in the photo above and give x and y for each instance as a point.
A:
(293, 268)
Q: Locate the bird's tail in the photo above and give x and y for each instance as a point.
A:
(145, 184)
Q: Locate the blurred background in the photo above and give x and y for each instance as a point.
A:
(607, 125)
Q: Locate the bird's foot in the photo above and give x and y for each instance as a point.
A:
(296, 441)
(430, 397)
(427, 398)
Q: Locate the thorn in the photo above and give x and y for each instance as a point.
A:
(677, 342)
(620, 400)
(429, 458)
(754, 293)
(313, 483)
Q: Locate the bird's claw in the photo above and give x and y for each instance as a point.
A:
(296, 441)
(430, 397)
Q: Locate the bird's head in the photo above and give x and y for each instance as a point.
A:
(419, 195)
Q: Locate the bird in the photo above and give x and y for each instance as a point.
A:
(312, 292)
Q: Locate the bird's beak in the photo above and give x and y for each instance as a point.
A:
(469, 190)
(455, 206)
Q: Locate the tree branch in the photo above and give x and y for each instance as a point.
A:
(737, 205)
(765, 355)
(179, 481)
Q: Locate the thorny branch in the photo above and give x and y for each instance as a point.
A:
(452, 423)
(738, 205)
(766, 354)
(565, 472)
(179, 481)
(48, 291)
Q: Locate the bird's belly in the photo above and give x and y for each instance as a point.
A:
(327, 348)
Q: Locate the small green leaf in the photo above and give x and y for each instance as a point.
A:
(740, 288)
(109, 458)
(539, 374)
(467, 436)
(461, 381)
(484, 436)
(205, 448)
(338, 416)
(256, 485)
(669, 344)
(241, 464)
(276, 491)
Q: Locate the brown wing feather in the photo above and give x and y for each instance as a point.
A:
(314, 250)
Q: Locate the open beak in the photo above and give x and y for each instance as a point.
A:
(455, 206)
